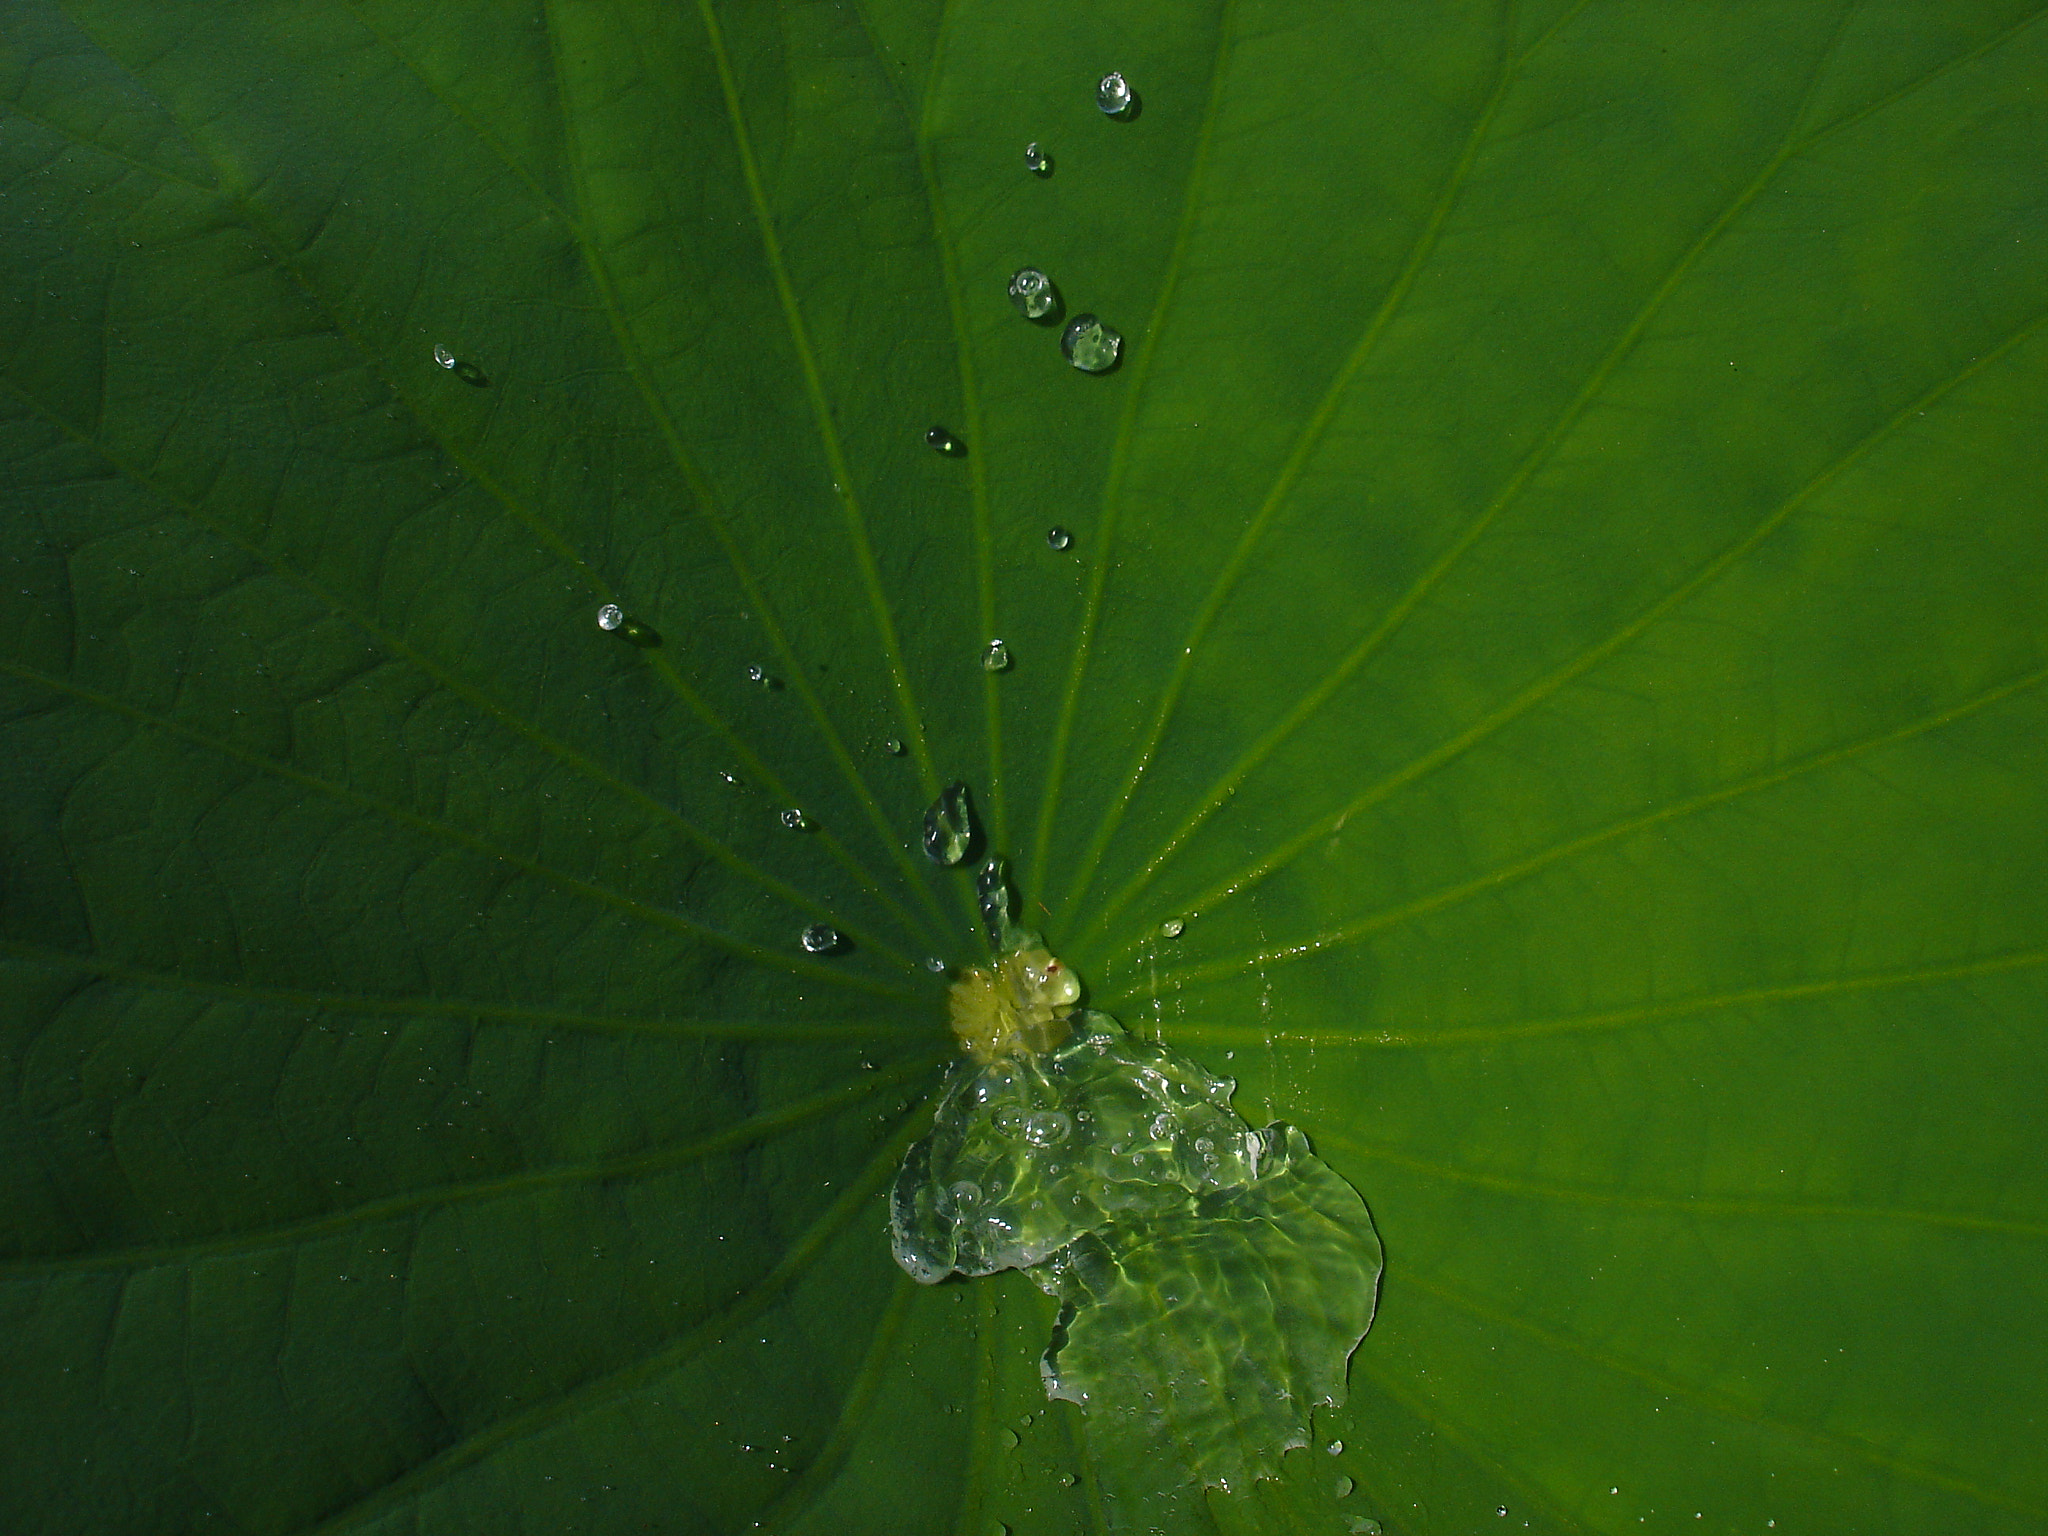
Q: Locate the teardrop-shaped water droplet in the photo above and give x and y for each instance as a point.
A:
(893, 747)
(1033, 294)
(795, 819)
(1090, 345)
(1114, 94)
(996, 658)
(1036, 160)
(949, 826)
(821, 938)
(1058, 537)
(444, 357)
(610, 616)
(945, 442)
(1172, 928)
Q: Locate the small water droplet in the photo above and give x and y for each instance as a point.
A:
(893, 747)
(1010, 1437)
(935, 965)
(1172, 928)
(640, 634)
(1090, 345)
(1335, 1447)
(949, 826)
(1502, 1511)
(1114, 95)
(1344, 1487)
(820, 939)
(1058, 537)
(794, 819)
(945, 442)
(1036, 160)
(996, 658)
(444, 357)
(1034, 295)
(758, 675)
(610, 616)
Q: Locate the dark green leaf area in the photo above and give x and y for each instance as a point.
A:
(1545, 688)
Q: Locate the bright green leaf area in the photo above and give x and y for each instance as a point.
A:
(1557, 606)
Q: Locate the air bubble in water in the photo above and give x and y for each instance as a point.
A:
(1114, 95)
(1033, 294)
(444, 357)
(1036, 160)
(795, 819)
(1172, 928)
(949, 826)
(820, 939)
(610, 616)
(1090, 345)
(996, 658)
(1058, 537)
(945, 442)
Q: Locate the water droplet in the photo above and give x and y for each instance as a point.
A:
(1090, 345)
(1114, 95)
(1047, 1127)
(996, 658)
(965, 1194)
(946, 443)
(795, 820)
(638, 633)
(1010, 1437)
(1172, 928)
(1502, 1511)
(1058, 537)
(444, 357)
(1036, 160)
(893, 747)
(1034, 295)
(949, 826)
(1360, 1525)
(758, 675)
(1344, 1487)
(610, 616)
(820, 939)
(1335, 1447)
(935, 965)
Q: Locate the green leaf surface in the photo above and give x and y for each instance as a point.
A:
(1555, 607)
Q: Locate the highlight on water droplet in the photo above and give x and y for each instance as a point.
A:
(1036, 160)
(610, 616)
(1058, 537)
(820, 938)
(1173, 928)
(996, 658)
(794, 819)
(949, 826)
(1090, 345)
(1114, 95)
(893, 747)
(444, 357)
(1034, 295)
(946, 443)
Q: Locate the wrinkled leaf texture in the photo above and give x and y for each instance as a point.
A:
(1556, 603)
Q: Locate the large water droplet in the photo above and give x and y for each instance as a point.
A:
(1172, 928)
(996, 658)
(1344, 1487)
(610, 616)
(945, 442)
(795, 819)
(820, 938)
(1046, 1127)
(935, 965)
(1114, 95)
(949, 826)
(1036, 160)
(1335, 1447)
(1090, 345)
(444, 357)
(1058, 537)
(1361, 1525)
(1034, 295)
